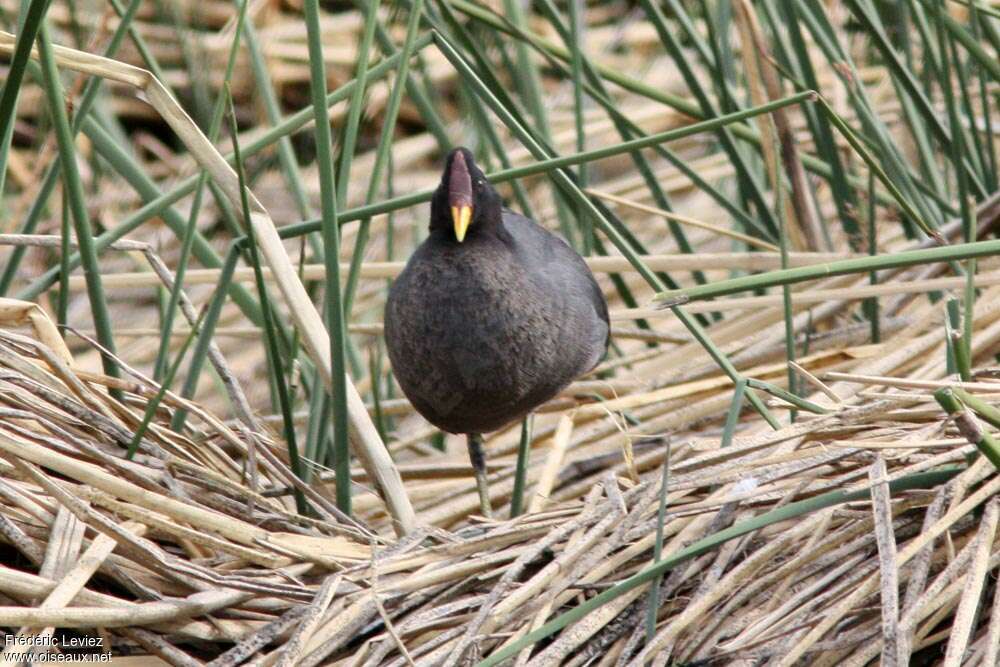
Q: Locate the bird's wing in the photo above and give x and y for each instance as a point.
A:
(562, 266)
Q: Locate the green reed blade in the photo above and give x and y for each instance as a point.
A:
(77, 202)
(270, 335)
(839, 268)
(331, 243)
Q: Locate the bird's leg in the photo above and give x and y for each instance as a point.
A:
(478, 459)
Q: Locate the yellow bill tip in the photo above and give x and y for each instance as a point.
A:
(461, 216)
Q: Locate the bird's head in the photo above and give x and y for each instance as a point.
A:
(465, 203)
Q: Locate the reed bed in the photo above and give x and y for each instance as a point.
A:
(789, 456)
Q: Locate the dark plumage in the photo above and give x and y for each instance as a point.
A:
(493, 315)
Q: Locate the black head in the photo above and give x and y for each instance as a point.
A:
(464, 204)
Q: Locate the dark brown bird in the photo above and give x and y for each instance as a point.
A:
(492, 316)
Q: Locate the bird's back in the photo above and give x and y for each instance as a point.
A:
(481, 333)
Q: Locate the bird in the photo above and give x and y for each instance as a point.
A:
(492, 315)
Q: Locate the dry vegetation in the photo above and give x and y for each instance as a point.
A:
(860, 526)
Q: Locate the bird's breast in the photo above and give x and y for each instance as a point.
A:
(484, 314)
(483, 333)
